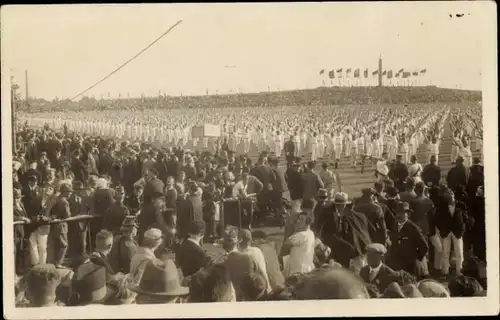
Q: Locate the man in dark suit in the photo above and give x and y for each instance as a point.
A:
(190, 255)
(431, 175)
(353, 237)
(265, 175)
(449, 221)
(408, 244)
(32, 199)
(399, 173)
(280, 188)
(476, 177)
(312, 183)
(457, 175)
(422, 208)
(152, 184)
(376, 273)
(293, 179)
(373, 212)
(289, 148)
(409, 194)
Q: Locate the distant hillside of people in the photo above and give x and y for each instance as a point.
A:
(303, 97)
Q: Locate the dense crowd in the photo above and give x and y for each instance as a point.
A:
(121, 214)
(323, 96)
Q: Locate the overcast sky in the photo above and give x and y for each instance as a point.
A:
(67, 48)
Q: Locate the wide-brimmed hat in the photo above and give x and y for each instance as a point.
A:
(160, 278)
(341, 198)
(89, 283)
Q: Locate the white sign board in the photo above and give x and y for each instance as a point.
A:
(206, 130)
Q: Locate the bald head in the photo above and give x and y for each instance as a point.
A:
(331, 283)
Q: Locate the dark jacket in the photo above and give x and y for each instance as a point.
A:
(114, 216)
(279, 184)
(239, 266)
(446, 223)
(476, 179)
(32, 201)
(456, 176)
(312, 183)
(381, 280)
(431, 173)
(294, 181)
(422, 208)
(191, 258)
(270, 252)
(124, 248)
(399, 173)
(407, 246)
(265, 175)
(103, 200)
(376, 219)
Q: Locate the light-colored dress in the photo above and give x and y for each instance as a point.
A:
(302, 253)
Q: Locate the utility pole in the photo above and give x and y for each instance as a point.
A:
(13, 105)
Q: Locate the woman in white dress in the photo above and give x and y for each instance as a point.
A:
(301, 247)
(321, 145)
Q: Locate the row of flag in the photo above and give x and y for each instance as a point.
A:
(332, 74)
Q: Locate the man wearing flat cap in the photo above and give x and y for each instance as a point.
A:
(376, 272)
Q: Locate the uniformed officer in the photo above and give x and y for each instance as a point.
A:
(59, 212)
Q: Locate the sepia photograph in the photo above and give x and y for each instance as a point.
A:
(238, 159)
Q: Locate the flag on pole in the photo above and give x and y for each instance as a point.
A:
(374, 73)
(366, 73)
(339, 70)
(401, 70)
(389, 74)
(322, 71)
(348, 71)
(423, 71)
(384, 73)
(397, 75)
(356, 73)
(331, 74)
(415, 73)
(406, 74)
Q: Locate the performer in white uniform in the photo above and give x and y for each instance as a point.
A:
(314, 147)
(278, 144)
